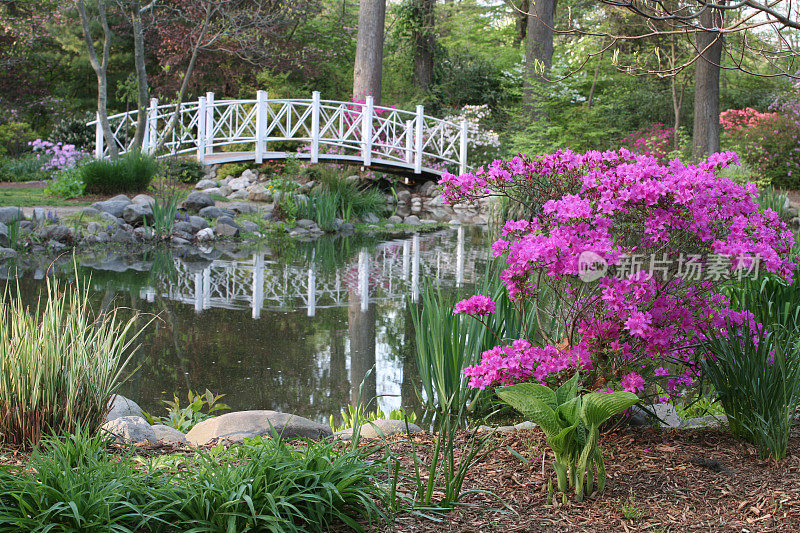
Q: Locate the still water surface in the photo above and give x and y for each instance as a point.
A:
(295, 328)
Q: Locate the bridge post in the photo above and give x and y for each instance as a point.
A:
(462, 156)
(418, 140)
(315, 104)
(98, 138)
(151, 132)
(261, 124)
(366, 130)
(201, 129)
(409, 141)
(209, 123)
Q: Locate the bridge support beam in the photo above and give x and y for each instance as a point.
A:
(366, 130)
(315, 105)
(261, 124)
(201, 129)
(209, 123)
(418, 140)
(462, 153)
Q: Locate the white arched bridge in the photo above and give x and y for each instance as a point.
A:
(262, 129)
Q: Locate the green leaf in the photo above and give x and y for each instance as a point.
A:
(536, 410)
(569, 413)
(536, 390)
(567, 390)
(600, 406)
(564, 441)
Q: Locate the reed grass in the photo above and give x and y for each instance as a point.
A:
(59, 363)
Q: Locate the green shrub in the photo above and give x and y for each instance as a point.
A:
(132, 172)
(68, 183)
(73, 130)
(234, 169)
(356, 415)
(183, 169)
(26, 167)
(201, 407)
(59, 363)
(14, 138)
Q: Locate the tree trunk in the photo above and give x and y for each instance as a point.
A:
(424, 43)
(520, 21)
(538, 57)
(590, 99)
(706, 85)
(100, 69)
(143, 92)
(362, 352)
(369, 49)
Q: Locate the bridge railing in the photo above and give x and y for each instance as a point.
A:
(360, 132)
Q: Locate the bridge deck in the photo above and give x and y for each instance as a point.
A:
(379, 165)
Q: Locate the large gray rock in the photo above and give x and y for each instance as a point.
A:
(240, 208)
(122, 236)
(236, 427)
(224, 230)
(119, 406)
(3, 234)
(114, 206)
(241, 194)
(258, 193)
(143, 199)
(205, 234)
(9, 215)
(215, 212)
(137, 214)
(198, 223)
(240, 183)
(130, 429)
(205, 184)
(379, 429)
(169, 434)
(7, 253)
(412, 220)
(61, 234)
(197, 201)
(709, 421)
(660, 413)
(249, 227)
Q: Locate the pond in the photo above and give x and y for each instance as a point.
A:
(293, 327)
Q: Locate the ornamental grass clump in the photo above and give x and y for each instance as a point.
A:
(59, 363)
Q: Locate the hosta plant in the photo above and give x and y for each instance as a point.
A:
(571, 421)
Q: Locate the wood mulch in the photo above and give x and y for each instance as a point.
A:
(687, 480)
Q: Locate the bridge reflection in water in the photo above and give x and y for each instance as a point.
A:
(391, 271)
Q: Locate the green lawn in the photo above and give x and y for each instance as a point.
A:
(30, 197)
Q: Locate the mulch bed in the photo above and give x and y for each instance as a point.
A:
(688, 480)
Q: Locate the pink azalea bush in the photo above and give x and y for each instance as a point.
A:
(627, 325)
(57, 156)
(653, 140)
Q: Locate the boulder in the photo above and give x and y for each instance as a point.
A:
(306, 223)
(7, 253)
(249, 227)
(237, 184)
(111, 219)
(130, 429)
(241, 208)
(94, 228)
(143, 199)
(258, 193)
(179, 241)
(169, 434)
(138, 214)
(198, 223)
(9, 215)
(428, 188)
(123, 236)
(57, 233)
(660, 413)
(213, 212)
(403, 196)
(250, 175)
(709, 421)
(205, 234)
(39, 215)
(225, 230)
(119, 406)
(183, 227)
(90, 211)
(113, 206)
(197, 201)
(411, 220)
(3, 234)
(236, 427)
(394, 219)
(378, 429)
(241, 194)
(205, 184)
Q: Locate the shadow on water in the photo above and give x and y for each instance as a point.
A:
(294, 327)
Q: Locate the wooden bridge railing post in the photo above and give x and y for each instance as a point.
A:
(418, 140)
(201, 129)
(209, 123)
(261, 124)
(315, 105)
(151, 132)
(409, 142)
(462, 155)
(98, 138)
(366, 130)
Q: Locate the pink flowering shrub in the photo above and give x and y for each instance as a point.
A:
(626, 324)
(57, 156)
(478, 305)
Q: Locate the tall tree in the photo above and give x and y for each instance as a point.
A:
(538, 56)
(368, 66)
(424, 42)
(706, 84)
(100, 66)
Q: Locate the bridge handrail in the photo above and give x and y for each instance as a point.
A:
(392, 136)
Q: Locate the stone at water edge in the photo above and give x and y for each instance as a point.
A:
(394, 219)
(411, 220)
(113, 206)
(119, 406)
(137, 214)
(130, 429)
(664, 412)
(198, 223)
(9, 215)
(143, 199)
(197, 201)
(205, 234)
(169, 434)
(225, 230)
(377, 429)
(237, 426)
